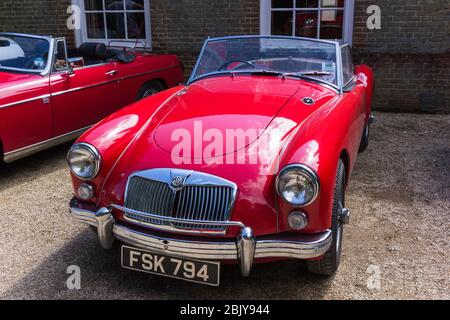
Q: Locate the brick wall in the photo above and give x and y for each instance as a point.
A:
(181, 26)
(45, 17)
(410, 54)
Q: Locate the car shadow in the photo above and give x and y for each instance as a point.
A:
(103, 278)
(45, 162)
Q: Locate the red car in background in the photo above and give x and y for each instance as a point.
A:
(248, 163)
(50, 95)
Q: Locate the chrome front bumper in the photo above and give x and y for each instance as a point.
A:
(245, 249)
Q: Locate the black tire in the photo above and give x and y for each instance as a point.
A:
(329, 264)
(149, 89)
(365, 139)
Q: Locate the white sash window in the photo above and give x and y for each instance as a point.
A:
(321, 19)
(123, 22)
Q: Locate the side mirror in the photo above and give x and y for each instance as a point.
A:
(68, 72)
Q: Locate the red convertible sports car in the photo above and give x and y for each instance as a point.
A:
(49, 95)
(248, 163)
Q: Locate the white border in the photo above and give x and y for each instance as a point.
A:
(349, 12)
(81, 34)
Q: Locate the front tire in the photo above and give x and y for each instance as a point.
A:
(365, 139)
(329, 264)
(149, 89)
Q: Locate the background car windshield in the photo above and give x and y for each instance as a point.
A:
(285, 55)
(23, 53)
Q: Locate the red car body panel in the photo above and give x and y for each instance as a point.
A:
(35, 108)
(139, 138)
(18, 123)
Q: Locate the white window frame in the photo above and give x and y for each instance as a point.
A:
(82, 37)
(349, 10)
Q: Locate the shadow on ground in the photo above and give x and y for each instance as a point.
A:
(103, 277)
(13, 174)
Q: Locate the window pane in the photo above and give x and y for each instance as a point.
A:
(114, 5)
(115, 25)
(282, 23)
(134, 4)
(282, 3)
(93, 5)
(331, 24)
(347, 64)
(307, 3)
(60, 57)
(136, 25)
(95, 26)
(332, 3)
(306, 24)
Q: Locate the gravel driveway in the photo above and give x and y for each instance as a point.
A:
(398, 241)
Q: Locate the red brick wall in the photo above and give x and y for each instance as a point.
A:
(181, 27)
(410, 54)
(44, 17)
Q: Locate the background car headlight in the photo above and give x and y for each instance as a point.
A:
(84, 161)
(298, 185)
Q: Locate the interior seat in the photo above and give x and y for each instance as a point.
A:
(93, 53)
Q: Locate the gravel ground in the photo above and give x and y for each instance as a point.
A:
(399, 197)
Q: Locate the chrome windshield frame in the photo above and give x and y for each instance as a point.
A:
(339, 86)
(48, 67)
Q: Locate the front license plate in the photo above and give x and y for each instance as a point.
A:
(203, 272)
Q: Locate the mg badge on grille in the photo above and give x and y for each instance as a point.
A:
(177, 182)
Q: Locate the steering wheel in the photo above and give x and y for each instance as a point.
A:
(228, 63)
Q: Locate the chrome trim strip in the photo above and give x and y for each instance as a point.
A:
(84, 216)
(45, 96)
(27, 151)
(188, 249)
(82, 88)
(181, 221)
(299, 247)
(149, 72)
(108, 82)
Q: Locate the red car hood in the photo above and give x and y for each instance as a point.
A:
(222, 105)
(267, 104)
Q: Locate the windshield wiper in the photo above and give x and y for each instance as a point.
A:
(309, 73)
(266, 73)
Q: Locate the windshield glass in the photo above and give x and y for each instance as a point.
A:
(23, 53)
(270, 54)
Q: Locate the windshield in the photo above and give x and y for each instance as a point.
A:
(282, 55)
(22, 53)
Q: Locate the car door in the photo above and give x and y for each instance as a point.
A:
(25, 109)
(82, 96)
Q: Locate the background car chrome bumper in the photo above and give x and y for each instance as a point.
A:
(245, 249)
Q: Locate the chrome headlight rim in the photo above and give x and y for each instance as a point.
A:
(309, 173)
(95, 154)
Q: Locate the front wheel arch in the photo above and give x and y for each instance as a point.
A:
(157, 83)
(346, 159)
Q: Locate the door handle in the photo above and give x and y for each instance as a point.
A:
(111, 73)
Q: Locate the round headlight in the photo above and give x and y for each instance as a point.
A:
(84, 161)
(298, 185)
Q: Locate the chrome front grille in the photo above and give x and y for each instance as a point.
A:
(201, 198)
(149, 196)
